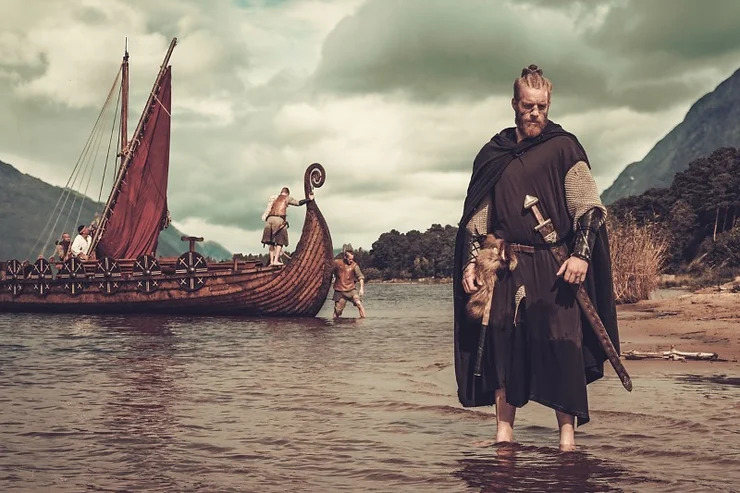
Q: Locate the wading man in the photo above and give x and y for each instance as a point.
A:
(346, 274)
(538, 345)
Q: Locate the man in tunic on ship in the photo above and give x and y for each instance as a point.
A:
(275, 233)
(538, 345)
(62, 250)
(81, 246)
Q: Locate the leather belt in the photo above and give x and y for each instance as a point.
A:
(518, 247)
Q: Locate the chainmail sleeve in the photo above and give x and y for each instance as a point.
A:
(477, 228)
(581, 194)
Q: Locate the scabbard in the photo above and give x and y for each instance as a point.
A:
(481, 347)
(561, 255)
(482, 338)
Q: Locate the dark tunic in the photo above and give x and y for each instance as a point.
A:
(551, 354)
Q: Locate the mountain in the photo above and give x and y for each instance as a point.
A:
(712, 122)
(26, 204)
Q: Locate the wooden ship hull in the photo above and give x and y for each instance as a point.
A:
(297, 289)
(126, 275)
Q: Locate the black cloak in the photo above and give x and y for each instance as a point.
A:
(488, 167)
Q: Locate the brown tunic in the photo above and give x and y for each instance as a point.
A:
(61, 252)
(346, 275)
(548, 360)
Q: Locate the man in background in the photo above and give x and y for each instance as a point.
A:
(62, 250)
(275, 233)
(81, 246)
(346, 274)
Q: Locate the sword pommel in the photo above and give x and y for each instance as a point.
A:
(530, 201)
(530, 204)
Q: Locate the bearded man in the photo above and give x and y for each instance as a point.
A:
(538, 346)
(62, 250)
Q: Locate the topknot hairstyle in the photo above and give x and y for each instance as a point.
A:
(532, 77)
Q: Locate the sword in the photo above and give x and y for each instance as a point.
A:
(560, 252)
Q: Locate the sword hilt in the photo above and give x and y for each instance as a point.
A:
(549, 234)
(531, 202)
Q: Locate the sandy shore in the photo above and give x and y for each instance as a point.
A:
(702, 321)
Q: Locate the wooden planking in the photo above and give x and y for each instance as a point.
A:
(299, 288)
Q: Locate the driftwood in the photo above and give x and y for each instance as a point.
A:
(673, 354)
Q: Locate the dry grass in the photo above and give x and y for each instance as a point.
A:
(638, 255)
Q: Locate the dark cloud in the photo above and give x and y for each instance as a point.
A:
(428, 49)
(685, 28)
(396, 110)
(642, 55)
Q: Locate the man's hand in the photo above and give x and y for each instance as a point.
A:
(310, 196)
(574, 270)
(470, 282)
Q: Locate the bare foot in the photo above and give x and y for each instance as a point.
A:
(567, 446)
(566, 424)
(504, 432)
(490, 443)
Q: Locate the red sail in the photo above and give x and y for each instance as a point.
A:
(140, 209)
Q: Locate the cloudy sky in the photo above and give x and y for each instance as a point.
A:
(393, 97)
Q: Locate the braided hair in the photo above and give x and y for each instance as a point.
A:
(532, 77)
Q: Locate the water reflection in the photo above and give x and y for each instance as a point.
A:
(514, 467)
(144, 389)
(132, 403)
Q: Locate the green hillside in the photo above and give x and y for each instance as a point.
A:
(26, 204)
(711, 123)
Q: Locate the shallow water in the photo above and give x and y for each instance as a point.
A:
(666, 293)
(91, 403)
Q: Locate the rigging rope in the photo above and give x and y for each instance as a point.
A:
(79, 171)
(112, 133)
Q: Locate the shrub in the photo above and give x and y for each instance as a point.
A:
(638, 255)
(372, 274)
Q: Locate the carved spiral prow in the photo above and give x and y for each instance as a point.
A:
(314, 178)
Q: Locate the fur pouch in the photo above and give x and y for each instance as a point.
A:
(494, 256)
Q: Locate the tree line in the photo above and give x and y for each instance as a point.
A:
(410, 255)
(698, 214)
(697, 217)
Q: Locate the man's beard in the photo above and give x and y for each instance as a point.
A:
(528, 127)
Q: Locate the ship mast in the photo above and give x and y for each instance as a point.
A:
(124, 103)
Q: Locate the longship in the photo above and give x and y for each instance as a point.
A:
(124, 274)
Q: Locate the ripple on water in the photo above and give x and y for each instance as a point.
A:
(231, 404)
